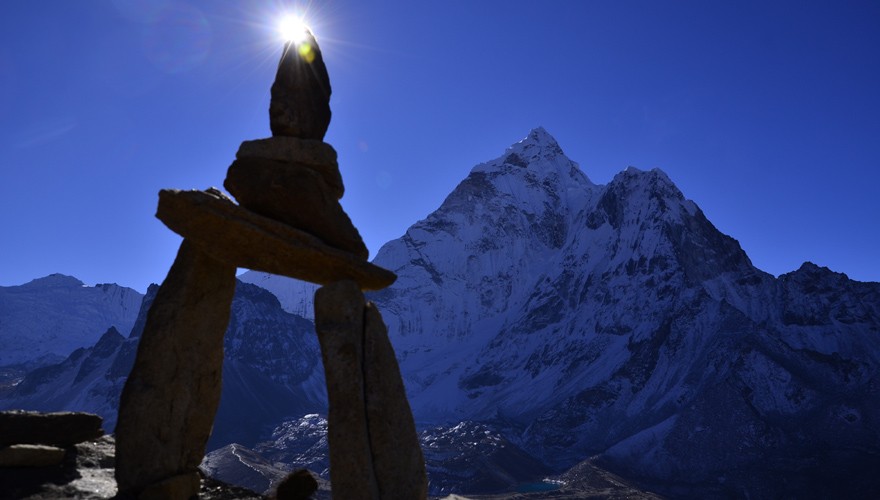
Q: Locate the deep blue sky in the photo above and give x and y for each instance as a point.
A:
(765, 113)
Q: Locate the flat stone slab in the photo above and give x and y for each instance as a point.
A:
(295, 195)
(316, 155)
(30, 455)
(57, 429)
(237, 236)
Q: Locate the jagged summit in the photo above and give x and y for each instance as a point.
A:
(539, 154)
(538, 139)
(55, 280)
(617, 324)
(47, 318)
(811, 269)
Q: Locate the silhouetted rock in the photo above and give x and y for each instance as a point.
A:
(339, 321)
(374, 448)
(86, 473)
(30, 455)
(57, 429)
(168, 404)
(298, 485)
(394, 443)
(243, 238)
(289, 222)
(316, 155)
(300, 104)
(179, 487)
(297, 196)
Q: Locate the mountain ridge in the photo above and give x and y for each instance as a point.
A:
(45, 319)
(614, 320)
(610, 323)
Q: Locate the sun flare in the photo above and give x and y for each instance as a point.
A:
(292, 29)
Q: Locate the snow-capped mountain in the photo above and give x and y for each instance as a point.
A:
(298, 299)
(43, 321)
(580, 327)
(271, 370)
(468, 457)
(616, 320)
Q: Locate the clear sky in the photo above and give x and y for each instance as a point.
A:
(766, 113)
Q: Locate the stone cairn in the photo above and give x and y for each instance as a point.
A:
(39, 448)
(33, 439)
(288, 222)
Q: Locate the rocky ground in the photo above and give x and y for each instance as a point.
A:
(87, 473)
(67, 455)
(584, 481)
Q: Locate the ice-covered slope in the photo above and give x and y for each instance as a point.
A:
(296, 297)
(616, 320)
(45, 320)
(464, 269)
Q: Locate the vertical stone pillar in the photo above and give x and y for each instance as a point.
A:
(167, 407)
(339, 322)
(394, 443)
(374, 448)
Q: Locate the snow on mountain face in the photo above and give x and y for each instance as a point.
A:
(468, 457)
(517, 270)
(568, 320)
(616, 320)
(296, 297)
(240, 466)
(43, 321)
(474, 260)
(90, 379)
(271, 370)
(300, 443)
(474, 458)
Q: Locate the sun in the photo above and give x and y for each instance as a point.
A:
(293, 29)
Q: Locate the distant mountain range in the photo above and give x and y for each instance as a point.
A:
(43, 321)
(271, 370)
(582, 328)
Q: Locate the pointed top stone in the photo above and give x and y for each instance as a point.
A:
(300, 103)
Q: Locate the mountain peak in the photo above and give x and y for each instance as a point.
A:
(56, 280)
(539, 143)
(538, 154)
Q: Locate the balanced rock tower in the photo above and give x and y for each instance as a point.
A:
(288, 221)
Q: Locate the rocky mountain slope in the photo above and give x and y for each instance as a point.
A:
(271, 370)
(580, 327)
(468, 457)
(43, 321)
(616, 321)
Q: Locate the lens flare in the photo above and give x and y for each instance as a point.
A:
(293, 29)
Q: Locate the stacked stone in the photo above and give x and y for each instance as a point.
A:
(297, 182)
(288, 222)
(374, 448)
(32, 439)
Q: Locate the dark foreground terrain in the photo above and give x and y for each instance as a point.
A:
(87, 473)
